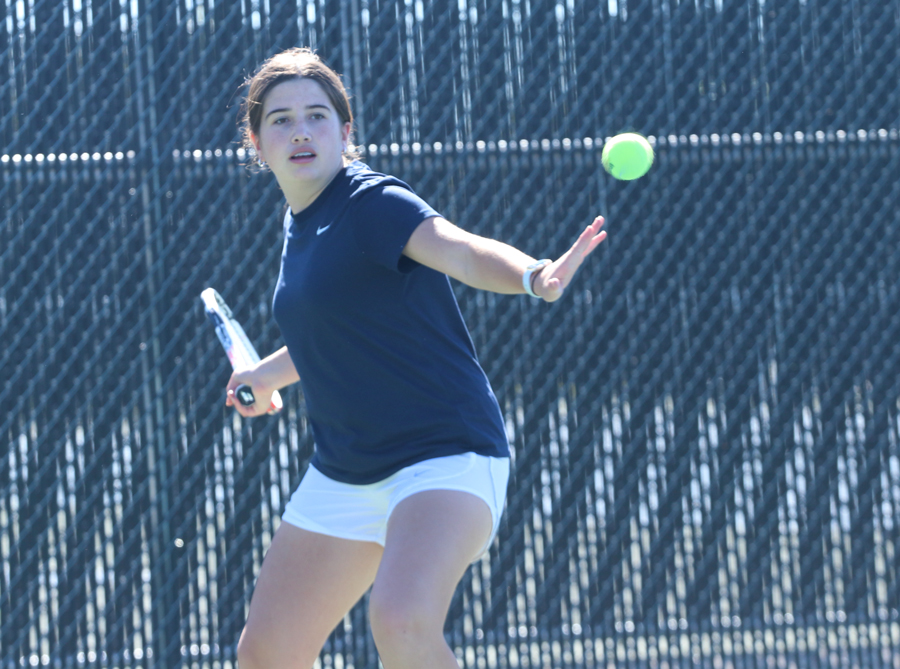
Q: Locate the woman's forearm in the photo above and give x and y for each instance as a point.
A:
(277, 370)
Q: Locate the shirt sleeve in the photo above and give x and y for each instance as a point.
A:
(385, 218)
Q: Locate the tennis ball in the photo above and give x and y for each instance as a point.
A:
(627, 156)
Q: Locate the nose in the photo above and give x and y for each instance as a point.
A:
(301, 134)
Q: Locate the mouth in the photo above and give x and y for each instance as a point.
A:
(302, 156)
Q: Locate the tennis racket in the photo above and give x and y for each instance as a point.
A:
(238, 348)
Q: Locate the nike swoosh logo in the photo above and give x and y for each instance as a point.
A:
(319, 231)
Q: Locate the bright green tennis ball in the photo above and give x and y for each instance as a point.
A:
(627, 156)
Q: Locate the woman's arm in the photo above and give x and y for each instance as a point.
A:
(491, 265)
(273, 372)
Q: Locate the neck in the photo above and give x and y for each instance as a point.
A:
(300, 195)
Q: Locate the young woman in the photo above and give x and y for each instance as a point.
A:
(409, 475)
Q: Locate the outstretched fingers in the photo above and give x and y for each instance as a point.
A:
(555, 279)
(591, 237)
(587, 241)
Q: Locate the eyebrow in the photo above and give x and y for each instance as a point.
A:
(286, 109)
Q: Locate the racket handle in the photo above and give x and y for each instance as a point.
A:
(245, 396)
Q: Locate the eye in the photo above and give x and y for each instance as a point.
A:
(317, 115)
(278, 121)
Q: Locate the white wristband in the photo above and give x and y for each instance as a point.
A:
(529, 272)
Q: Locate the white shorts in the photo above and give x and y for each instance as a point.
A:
(361, 512)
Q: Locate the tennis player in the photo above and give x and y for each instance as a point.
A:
(408, 480)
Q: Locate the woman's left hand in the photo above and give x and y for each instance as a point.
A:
(551, 282)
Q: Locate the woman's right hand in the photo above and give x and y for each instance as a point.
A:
(272, 373)
(261, 393)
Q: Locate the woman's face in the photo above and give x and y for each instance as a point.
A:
(301, 137)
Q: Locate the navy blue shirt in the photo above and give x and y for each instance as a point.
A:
(387, 366)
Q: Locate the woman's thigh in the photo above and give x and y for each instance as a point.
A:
(432, 538)
(307, 584)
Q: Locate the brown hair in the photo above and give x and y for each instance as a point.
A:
(296, 63)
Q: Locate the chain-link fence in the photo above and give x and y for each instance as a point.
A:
(705, 427)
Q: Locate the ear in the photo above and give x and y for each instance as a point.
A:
(345, 134)
(256, 145)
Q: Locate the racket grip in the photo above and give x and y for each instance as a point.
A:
(245, 396)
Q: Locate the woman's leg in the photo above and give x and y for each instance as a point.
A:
(432, 536)
(307, 584)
